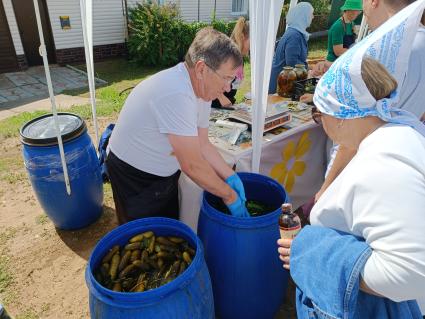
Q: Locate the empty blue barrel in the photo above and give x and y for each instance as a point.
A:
(188, 296)
(241, 253)
(44, 167)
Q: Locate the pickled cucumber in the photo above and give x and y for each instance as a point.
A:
(145, 262)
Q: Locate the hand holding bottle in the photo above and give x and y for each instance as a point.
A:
(284, 251)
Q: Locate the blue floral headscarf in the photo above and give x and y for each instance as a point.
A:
(342, 93)
(299, 17)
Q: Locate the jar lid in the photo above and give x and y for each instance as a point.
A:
(300, 65)
(42, 130)
(288, 67)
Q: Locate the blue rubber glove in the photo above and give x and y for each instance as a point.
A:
(236, 184)
(238, 209)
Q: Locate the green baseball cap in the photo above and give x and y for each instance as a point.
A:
(352, 5)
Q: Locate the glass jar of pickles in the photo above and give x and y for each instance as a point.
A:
(300, 71)
(285, 82)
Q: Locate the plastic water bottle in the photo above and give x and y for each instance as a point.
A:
(289, 223)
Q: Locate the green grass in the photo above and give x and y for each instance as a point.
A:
(28, 314)
(6, 163)
(7, 234)
(10, 165)
(318, 48)
(10, 126)
(5, 277)
(246, 84)
(41, 219)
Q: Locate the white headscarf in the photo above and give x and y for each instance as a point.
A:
(299, 17)
(342, 93)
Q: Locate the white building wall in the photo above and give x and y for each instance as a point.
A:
(13, 27)
(202, 10)
(223, 10)
(108, 22)
(189, 9)
(108, 19)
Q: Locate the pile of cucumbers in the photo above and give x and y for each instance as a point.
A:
(145, 262)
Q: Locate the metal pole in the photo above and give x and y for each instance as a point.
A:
(43, 53)
(363, 29)
(87, 24)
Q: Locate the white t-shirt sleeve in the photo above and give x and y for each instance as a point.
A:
(176, 114)
(393, 225)
(204, 114)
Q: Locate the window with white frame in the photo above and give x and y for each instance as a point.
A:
(239, 7)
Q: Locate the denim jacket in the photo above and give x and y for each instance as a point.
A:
(326, 265)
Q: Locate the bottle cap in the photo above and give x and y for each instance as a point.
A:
(287, 207)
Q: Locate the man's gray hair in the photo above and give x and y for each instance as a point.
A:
(214, 48)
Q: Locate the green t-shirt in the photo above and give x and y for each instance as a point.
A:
(336, 36)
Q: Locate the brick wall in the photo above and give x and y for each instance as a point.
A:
(100, 52)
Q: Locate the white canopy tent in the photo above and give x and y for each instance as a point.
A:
(264, 21)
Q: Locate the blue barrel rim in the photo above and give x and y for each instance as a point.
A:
(243, 222)
(127, 299)
(51, 141)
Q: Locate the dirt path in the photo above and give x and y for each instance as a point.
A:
(42, 267)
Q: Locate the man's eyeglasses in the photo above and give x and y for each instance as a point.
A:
(226, 79)
(316, 115)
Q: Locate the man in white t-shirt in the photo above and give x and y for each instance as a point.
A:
(163, 127)
(411, 90)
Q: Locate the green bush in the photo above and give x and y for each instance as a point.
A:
(321, 7)
(152, 29)
(159, 37)
(319, 23)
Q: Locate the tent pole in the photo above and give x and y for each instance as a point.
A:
(362, 30)
(43, 53)
(264, 21)
(86, 7)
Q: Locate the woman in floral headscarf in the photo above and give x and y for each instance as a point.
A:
(380, 195)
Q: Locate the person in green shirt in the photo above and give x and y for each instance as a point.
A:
(341, 35)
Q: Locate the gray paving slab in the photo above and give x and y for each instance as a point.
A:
(20, 78)
(38, 89)
(15, 93)
(31, 83)
(5, 83)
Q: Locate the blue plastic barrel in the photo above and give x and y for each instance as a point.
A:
(44, 167)
(241, 253)
(188, 296)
